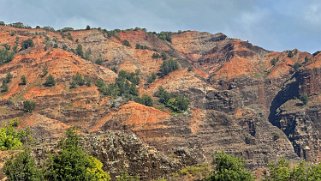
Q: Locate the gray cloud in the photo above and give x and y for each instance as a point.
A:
(275, 25)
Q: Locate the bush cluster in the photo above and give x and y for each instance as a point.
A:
(168, 66)
(79, 80)
(177, 103)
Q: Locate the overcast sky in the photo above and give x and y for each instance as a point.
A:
(271, 24)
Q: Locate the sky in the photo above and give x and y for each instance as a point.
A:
(272, 24)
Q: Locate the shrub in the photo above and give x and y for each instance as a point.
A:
(142, 47)
(87, 27)
(10, 138)
(50, 81)
(168, 66)
(79, 51)
(8, 78)
(296, 66)
(156, 56)
(27, 44)
(145, 99)
(28, 106)
(163, 55)
(6, 55)
(304, 99)
(133, 77)
(73, 163)
(79, 80)
(126, 43)
(99, 61)
(151, 78)
(274, 61)
(177, 103)
(22, 167)
(23, 80)
(4, 87)
(229, 168)
(2, 23)
(126, 177)
(167, 36)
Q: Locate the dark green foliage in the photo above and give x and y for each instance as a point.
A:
(168, 66)
(229, 168)
(290, 54)
(151, 78)
(87, 27)
(177, 103)
(22, 167)
(79, 80)
(99, 61)
(27, 44)
(167, 36)
(163, 55)
(126, 43)
(145, 99)
(87, 54)
(306, 60)
(133, 77)
(274, 61)
(4, 87)
(23, 80)
(73, 163)
(28, 106)
(125, 85)
(296, 66)
(142, 47)
(156, 56)
(6, 55)
(2, 23)
(8, 78)
(79, 51)
(304, 99)
(50, 81)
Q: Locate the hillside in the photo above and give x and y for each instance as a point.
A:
(244, 100)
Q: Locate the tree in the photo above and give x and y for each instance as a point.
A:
(168, 66)
(296, 66)
(22, 167)
(29, 106)
(87, 27)
(304, 99)
(229, 168)
(177, 103)
(23, 80)
(274, 61)
(50, 81)
(27, 44)
(73, 163)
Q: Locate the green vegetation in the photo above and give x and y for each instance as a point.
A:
(151, 78)
(5, 82)
(28, 106)
(2, 23)
(50, 81)
(304, 99)
(142, 47)
(177, 103)
(145, 100)
(127, 177)
(99, 61)
(10, 138)
(125, 85)
(23, 80)
(73, 163)
(168, 66)
(229, 168)
(126, 43)
(156, 56)
(27, 44)
(22, 167)
(201, 172)
(274, 61)
(167, 36)
(6, 55)
(79, 51)
(79, 80)
(87, 27)
(296, 66)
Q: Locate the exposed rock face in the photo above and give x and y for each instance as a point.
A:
(241, 101)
